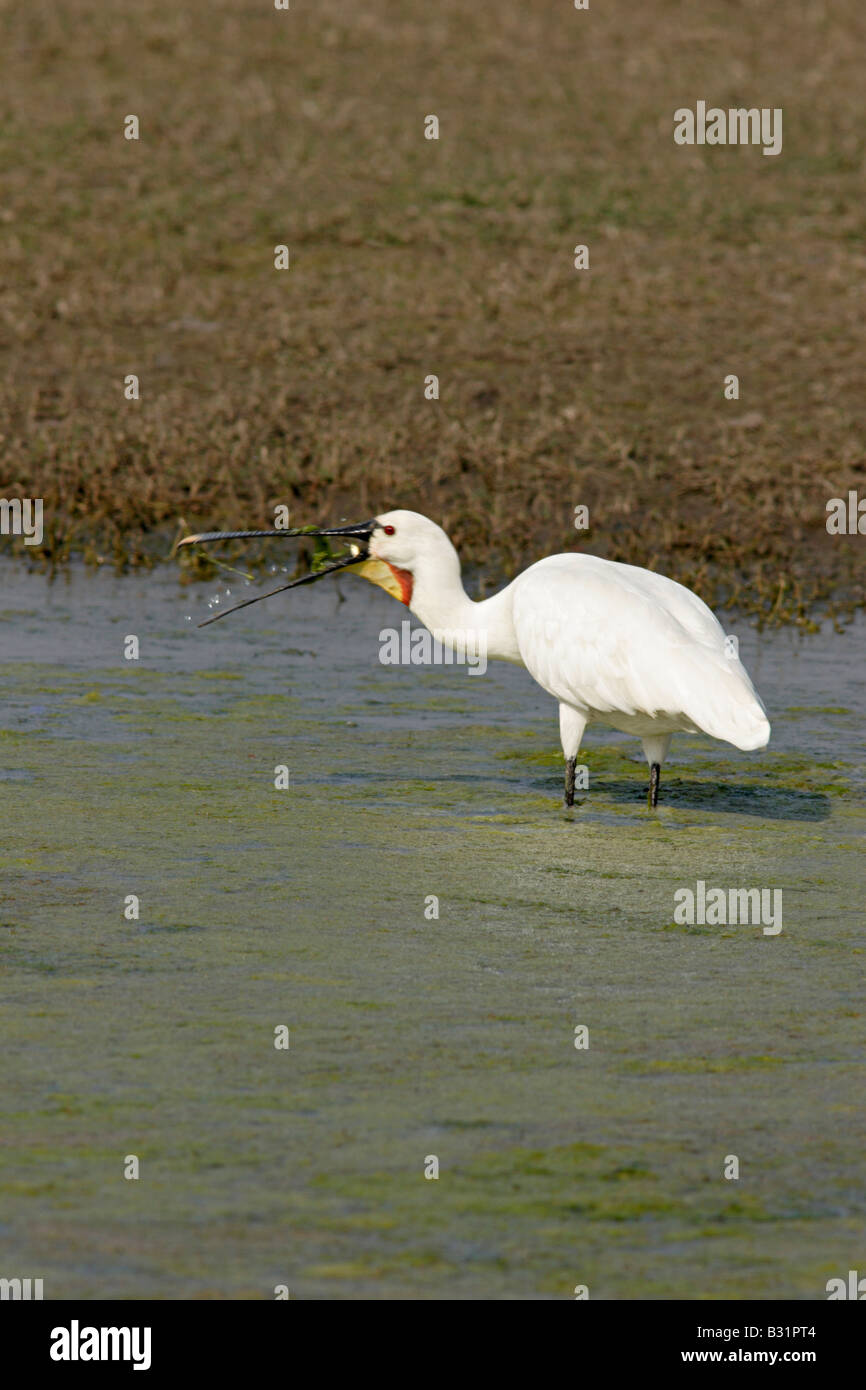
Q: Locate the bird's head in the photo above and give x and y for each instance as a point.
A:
(403, 550)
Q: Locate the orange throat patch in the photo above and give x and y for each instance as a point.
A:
(404, 581)
(396, 582)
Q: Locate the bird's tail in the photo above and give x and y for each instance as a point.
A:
(731, 709)
(756, 735)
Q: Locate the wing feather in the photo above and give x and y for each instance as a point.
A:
(615, 639)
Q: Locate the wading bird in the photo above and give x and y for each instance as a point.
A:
(614, 644)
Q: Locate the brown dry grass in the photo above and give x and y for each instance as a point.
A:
(411, 257)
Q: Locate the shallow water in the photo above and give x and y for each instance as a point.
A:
(412, 1037)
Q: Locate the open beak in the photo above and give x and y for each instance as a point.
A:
(358, 537)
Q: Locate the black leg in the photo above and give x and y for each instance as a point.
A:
(569, 781)
(655, 780)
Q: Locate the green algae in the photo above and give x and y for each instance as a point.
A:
(410, 1036)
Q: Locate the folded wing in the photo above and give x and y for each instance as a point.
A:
(611, 638)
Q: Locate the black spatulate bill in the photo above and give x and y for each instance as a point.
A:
(360, 533)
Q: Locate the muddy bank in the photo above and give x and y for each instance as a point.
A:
(455, 259)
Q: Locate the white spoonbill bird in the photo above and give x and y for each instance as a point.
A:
(613, 643)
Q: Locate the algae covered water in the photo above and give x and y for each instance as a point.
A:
(427, 928)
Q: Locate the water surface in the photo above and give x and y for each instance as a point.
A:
(411, 1036)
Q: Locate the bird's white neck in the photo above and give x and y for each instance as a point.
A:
(445, 608)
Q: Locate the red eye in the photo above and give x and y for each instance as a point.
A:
(389, 530)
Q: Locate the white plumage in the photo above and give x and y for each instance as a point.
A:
(626, 647)
(614, 644)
